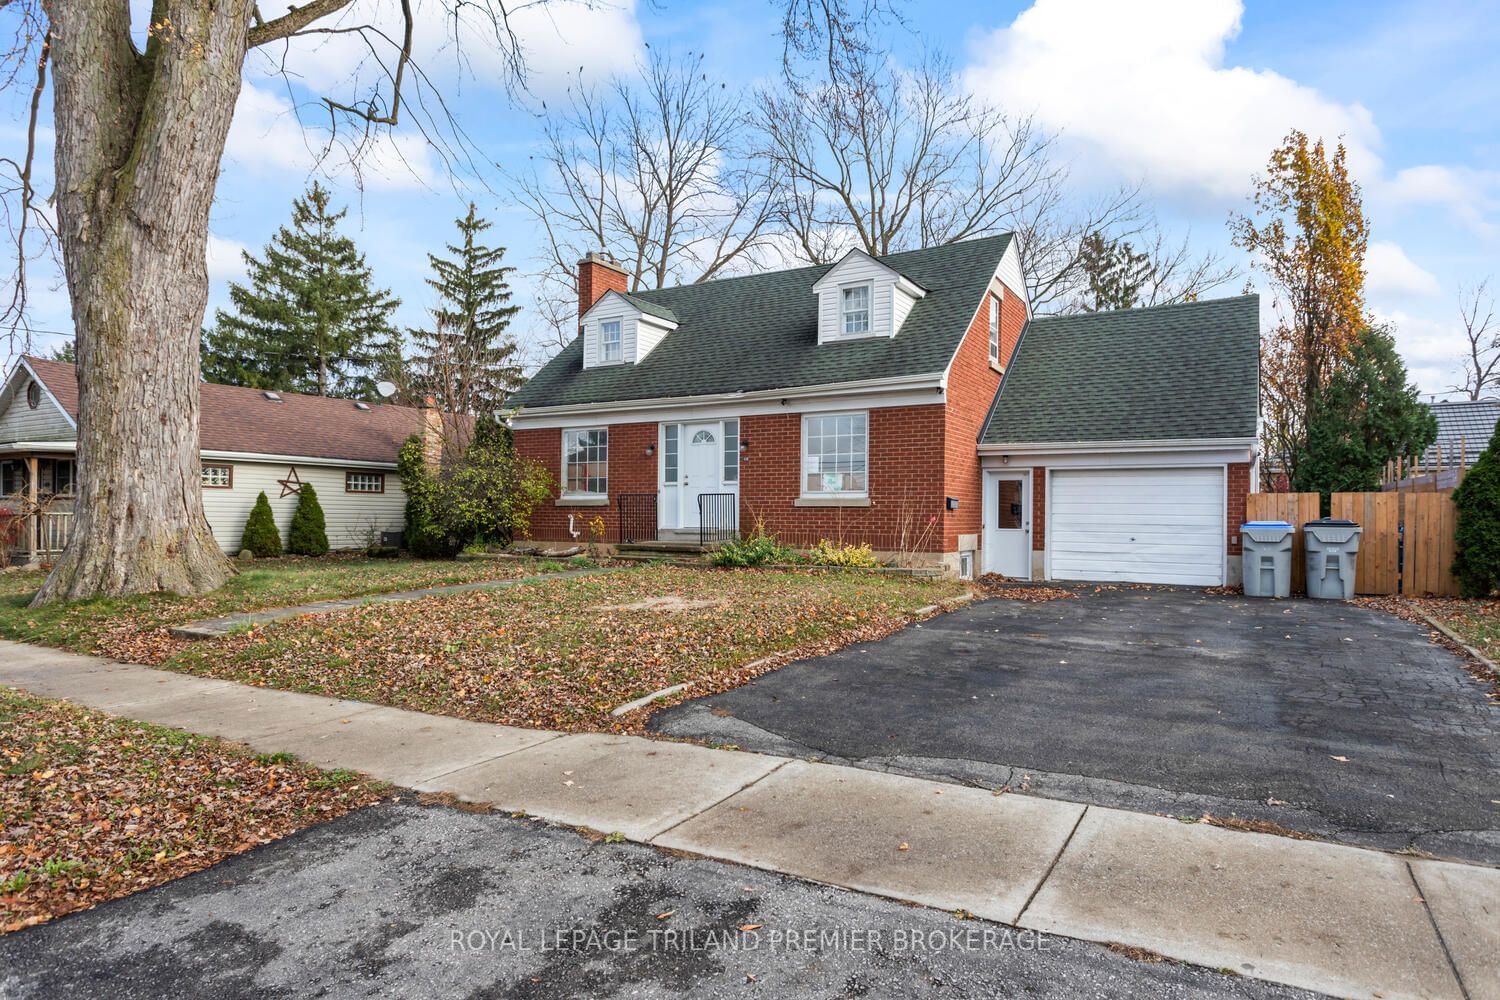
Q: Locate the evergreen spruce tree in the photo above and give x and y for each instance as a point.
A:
(310, 319)
(261, 536)
(468, 359)
(1116, 274)
(1477, 562)
(308, 533)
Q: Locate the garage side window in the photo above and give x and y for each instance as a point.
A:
(1009, 514)
(835, 454)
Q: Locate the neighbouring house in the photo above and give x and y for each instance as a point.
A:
(910, 402)
(251, 441)
(1465, 427)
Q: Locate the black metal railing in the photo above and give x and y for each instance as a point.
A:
(718, 517)
(637, 517)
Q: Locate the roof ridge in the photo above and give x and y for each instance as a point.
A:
(1138, 310)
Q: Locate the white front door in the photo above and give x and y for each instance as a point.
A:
(1007, 524)
(702, 459)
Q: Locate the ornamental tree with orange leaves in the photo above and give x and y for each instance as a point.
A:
(1306, 232)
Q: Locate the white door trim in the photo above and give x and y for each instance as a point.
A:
(990, 497)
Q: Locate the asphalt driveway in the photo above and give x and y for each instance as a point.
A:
(396, 900)
(1322, 717)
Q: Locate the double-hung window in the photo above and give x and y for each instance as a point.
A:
(835, 455)
(611, 345)
(586, 462)
(854, 315)
(994, 330)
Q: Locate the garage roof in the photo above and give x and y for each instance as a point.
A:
(1188, 371)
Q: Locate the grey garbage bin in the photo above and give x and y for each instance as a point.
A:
(1268, 558)
(1332, 551)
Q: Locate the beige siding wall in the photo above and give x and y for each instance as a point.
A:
(45, 423)
(351, 517)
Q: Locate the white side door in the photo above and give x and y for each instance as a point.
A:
(1007, 524)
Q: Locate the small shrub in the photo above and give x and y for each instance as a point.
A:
(308, 534)
(261, 536)
(759, 548)
(1477, 562)
(827, 553)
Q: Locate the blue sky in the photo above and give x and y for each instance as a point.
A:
(1185, 97)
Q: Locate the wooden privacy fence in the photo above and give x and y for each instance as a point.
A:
(1406, 546)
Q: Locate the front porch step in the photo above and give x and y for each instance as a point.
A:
(682, 559)
(670, 546)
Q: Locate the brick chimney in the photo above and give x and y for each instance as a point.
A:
(597, 274)
(432, 434)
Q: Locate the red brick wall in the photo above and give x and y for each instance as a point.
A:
(1039, 508)
(1012, 319)
(905, 480)
(1239, 485)
(630, 471)
(972, 383)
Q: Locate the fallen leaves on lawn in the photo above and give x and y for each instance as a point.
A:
(93, 807)
(561, 654)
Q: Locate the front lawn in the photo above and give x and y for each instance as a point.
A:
(560, 654)
(135, 628)
(93, 807)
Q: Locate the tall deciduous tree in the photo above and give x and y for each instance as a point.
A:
(1367, 415)
(310, 319)
(467, 360)
(1482, 340)
(651, 169)
(1307, 234)
(138, 136)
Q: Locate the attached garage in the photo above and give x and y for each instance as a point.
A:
(1131, 439)
(1141, 525)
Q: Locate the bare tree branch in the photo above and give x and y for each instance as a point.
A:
(1482, 363)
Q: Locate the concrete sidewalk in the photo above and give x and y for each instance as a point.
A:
(1336, 919)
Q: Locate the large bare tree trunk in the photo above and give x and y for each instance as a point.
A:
(139, 137)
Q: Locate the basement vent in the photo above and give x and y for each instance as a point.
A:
(274, 397)
(361, 406)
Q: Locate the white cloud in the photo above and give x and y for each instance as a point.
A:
(1389, 271)
(1431, 348)
(1468, 195)
(1146, 83)
(225, 260)
(266, 135)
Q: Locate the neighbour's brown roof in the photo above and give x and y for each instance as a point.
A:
(244, 420)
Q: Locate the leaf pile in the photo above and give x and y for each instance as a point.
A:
(561, 654)
(93, 807)
(136, 629)
(995, 585)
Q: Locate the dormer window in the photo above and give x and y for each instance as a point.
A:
(610, 341)
(856, 311)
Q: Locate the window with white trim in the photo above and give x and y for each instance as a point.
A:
(364, 482)
(731, 451)
(835, 454)
(854, 310)
(586, 462)
(994, 330)
(217, 477)
(611, 345)
(669, 455)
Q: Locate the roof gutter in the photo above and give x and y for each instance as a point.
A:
(1075, 447)
(933, 380)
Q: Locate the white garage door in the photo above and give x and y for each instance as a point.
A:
(1138, 525)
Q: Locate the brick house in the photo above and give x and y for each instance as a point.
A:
(864, 401)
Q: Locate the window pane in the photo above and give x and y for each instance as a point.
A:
(856, 309)
(731, 451)
(586, 457)
(669, 471)
(1009, 514)
(609, 340)
(835, 454)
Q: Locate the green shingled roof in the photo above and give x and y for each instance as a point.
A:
(1168, 372)
(761, 332)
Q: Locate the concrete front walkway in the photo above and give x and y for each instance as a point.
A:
(1325, 917)
(214, 628)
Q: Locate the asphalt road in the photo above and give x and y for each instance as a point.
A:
(402, 900)
(1321, 716)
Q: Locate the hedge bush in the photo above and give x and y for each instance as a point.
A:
(1477, 563)
(260, 535)
(308, 534)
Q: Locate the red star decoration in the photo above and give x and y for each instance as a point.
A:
(292, 483)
